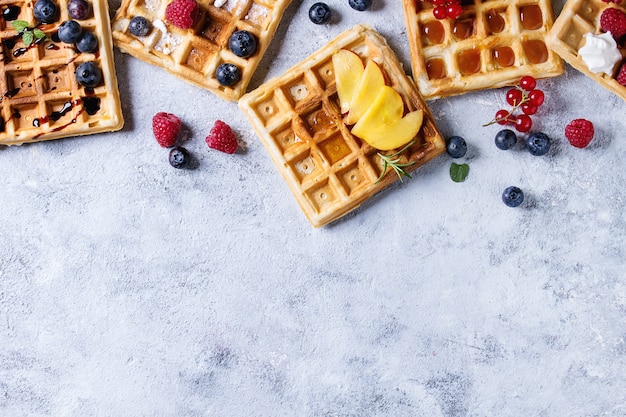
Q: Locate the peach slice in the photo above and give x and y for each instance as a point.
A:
(348, 73)
(367, 91)
(383, 126)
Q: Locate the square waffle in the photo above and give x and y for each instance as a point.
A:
(195, 54)
(41, 98)
(298, 118)
(578, 18)
(492, 44)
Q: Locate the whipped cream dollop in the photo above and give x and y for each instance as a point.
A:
(600, 53)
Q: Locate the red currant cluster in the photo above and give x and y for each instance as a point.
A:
(524, 97)
(612, 1)
(447, 8)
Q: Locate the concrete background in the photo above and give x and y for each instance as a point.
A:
(129, 288)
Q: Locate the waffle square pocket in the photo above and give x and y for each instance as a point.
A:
(197, 53)
(50, 89)
(492, 44)
(298, 118)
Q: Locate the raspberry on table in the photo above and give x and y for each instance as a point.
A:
(182, 13)
(613, 20)
(166, 127)
(222, 138)
(579, 132)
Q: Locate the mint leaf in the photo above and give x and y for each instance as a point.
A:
(458, 173)
(28, 38)
(38, 33)
(19, 25)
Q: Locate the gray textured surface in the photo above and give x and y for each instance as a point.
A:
(128, 288)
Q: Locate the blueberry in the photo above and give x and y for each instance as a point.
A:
(70, 31)
(139, 26)
(360, 5)
(179, 157)
(87, 43)
(88, 74)
(505, 139)
(242, 43)
(11, 13)
(456, 146)
(513, 196)
(320, 13)
(45, 11)
(228, 74)
(79, 9)
(538, 144)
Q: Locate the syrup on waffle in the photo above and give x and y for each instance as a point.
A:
(298, 118)
(492, 44)
(578, 18)
(41, 98)
(195, 54)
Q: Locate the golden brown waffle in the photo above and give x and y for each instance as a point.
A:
(195, 54)
(41, 98)
(297, 116)
(578, 18)
(492, 44)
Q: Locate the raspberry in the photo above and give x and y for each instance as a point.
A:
(222, 138)
(165, 127)
(182, 13)
(613, 20)
(621, 75)
(579, 132)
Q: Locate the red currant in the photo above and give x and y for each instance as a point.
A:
(529, 108)
(523, 123)
(454, 10)
(439, 12)
(439, 2)
(514, 97)
(502, 117)
(528, 83)
(536, 97)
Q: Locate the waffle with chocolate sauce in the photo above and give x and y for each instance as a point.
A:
(578, 18)
(492, 44)
(41, 96)
(195, 54)
(298, 118)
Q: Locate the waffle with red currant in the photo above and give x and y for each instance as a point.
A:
(458, 47)
(580, 18)
(57, 74)
(298, 117)
(214, 44)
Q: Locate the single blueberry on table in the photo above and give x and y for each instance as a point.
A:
(505, 139)
(513, 196)
(456, 146)
(360, 5)
(179, 157)
(320, 13)
(538, 144)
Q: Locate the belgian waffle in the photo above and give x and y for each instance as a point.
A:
(492, 44)
(298, 118)
(41, 98)
(195, 54)
(578, 18)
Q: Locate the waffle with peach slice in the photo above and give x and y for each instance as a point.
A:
(309, 117)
